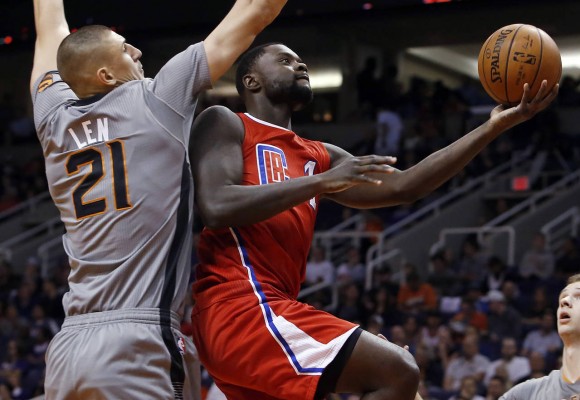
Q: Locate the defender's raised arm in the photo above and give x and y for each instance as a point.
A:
(51, 29)
(237, 31)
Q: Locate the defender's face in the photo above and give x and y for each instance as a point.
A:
(569, 311)
(284, 76)
(124, 59)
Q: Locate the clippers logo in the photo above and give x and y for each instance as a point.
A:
(181, 345)
(272, 165)
(524, 58)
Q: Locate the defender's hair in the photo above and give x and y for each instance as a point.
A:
(573, 279)
(247, 62)
(78, 52)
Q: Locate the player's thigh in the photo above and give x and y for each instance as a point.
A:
(375, 364)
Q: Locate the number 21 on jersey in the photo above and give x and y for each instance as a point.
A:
(95, 165)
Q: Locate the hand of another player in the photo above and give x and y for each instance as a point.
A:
(355, 171)
(528, 106)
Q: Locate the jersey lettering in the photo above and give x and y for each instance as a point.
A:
(309, 171)
(90, 161)
(272, 165)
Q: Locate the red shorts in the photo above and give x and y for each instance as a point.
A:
(262, 347)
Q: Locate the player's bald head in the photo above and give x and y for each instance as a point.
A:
(81, 53)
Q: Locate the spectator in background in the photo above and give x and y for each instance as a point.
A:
(389, 131)
(568, 261)
(368, 88)
(352, 270)
(467, 390)
(510, 366)
(350, 305)
(496, 274)
(318, 268)
(469, 362)
(441, 277)
(543, 340)
(504, 320)
(470, 316)
(538, 261)
(383, 301)
(434, 335)
(496, 387)
(533, 311)
(472, 263)
(538, 367)
(416, 296)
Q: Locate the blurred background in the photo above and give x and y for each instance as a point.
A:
(480, 260)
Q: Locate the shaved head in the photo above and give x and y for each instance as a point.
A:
(81, 53)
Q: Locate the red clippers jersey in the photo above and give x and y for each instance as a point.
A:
(271, 254)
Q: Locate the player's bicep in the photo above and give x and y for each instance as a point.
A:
(216, 152)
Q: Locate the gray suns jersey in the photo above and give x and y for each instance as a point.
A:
(551, 387)
(118, 171)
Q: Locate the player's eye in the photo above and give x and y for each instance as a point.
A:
(285, 60)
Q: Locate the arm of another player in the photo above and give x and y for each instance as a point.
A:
(421, 179)
(217, 163)
(51, 29)
(237, 31)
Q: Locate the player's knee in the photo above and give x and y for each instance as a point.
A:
(408, 377)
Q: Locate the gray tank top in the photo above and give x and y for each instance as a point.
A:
(551, 387)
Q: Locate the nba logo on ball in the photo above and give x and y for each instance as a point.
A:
(181, 345)
(514, 55)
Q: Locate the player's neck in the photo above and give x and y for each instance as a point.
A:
(571, 363)
(262, 109)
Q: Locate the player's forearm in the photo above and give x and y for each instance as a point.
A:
(408, 186)
(49, 18)
(238, 205)
(265, 10)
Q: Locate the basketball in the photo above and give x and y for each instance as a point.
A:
(514, 55)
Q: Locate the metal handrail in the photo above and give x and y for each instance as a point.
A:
(25, 206)
(480, 232)
(533, 201)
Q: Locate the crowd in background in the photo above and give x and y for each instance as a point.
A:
(475, 325)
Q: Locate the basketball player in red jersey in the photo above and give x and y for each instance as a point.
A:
(257, 187)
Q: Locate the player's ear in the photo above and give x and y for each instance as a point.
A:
(105, 77)
(251, 83)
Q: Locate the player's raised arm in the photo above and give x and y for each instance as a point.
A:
(420, 180)
(237, 31)
(51, 29)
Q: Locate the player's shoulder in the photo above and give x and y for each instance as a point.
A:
(218, 119)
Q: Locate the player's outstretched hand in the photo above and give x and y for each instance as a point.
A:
(528, 106)
(355, 171)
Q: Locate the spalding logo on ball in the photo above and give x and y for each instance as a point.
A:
(514, 55)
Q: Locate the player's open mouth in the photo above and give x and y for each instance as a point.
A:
(564, 317)
(305, 76)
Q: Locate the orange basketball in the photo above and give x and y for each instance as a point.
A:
(514, 55)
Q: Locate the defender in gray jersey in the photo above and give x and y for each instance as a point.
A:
(115, 146)
(562, 384)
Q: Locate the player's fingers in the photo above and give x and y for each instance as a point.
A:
(384, 169)
(374, 159)
(526, 97)
(368, 179)
(542, 91)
